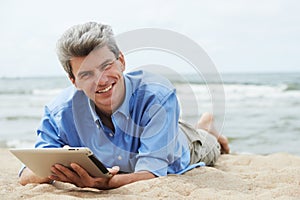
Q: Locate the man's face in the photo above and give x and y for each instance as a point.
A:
(100, 76)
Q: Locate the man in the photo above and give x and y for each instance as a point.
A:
(130, 121)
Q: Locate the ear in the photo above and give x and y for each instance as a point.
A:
(73, 82)
(122, 60)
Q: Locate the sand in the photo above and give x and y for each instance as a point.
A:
(275, 176)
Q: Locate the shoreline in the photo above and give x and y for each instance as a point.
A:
(235, 176)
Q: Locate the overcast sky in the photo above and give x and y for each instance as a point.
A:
(238, 35)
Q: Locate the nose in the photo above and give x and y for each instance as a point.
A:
(101, 78)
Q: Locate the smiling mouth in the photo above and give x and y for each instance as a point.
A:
(104, 90)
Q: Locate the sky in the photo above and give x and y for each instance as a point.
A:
(238, 35)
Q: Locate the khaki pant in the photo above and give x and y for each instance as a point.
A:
(204, 147)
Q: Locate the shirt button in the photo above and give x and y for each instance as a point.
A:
(119, 157)
(111, 135)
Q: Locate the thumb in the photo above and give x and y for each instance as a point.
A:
(114, 170)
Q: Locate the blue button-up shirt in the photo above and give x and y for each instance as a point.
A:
(146, 135)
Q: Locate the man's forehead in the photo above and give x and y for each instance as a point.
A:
(94, 58)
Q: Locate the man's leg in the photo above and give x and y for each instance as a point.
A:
(204, 147)
(206, 122)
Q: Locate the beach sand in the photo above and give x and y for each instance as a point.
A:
(275, 176)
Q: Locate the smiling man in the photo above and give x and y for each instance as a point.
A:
(130, 121)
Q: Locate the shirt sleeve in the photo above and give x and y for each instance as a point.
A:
(48, 135)
(159, 136)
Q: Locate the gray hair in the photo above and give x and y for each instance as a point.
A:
(80, 40)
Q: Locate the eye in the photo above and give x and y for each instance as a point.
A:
(107, 66)
(85, 75)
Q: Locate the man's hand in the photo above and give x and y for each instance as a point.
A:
(80, 177)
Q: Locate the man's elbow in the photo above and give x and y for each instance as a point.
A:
(27, 176)
(23, 181)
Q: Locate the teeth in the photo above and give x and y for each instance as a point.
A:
(105, 89)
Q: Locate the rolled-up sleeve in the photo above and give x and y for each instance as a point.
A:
(159, 136)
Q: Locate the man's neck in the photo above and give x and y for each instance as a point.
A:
(106, 119)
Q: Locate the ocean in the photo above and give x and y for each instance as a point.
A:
(262, 111)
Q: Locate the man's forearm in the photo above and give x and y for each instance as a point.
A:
(116, 181)
(124, 179)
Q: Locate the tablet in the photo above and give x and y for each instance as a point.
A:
(40, 160)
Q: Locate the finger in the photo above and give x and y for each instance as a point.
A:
(59, 175)
(69, 173)
(82, 173)
(85, 179)
(114, 170)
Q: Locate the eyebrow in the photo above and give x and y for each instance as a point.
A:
(98, 66)
(104, 63)
(83, 72)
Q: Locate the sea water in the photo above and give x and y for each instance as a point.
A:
(262, 111)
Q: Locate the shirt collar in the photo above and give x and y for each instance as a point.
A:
(93, 111)
(124, 108)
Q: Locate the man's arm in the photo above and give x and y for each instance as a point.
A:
(81, 178)
(206, 122)
(27, 176)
